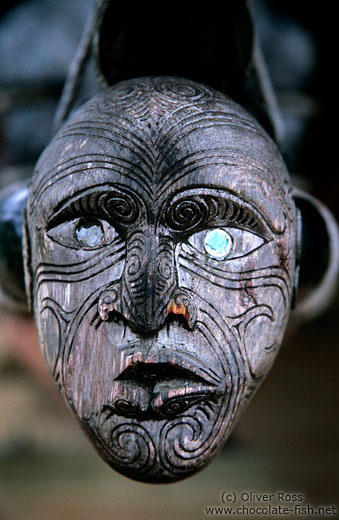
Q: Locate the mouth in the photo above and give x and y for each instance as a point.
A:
(158, 390)
(155, 360)
(150, 373)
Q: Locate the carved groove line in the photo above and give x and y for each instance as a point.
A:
(63, 318)
(235, 358)
(107, 203)
(93, 161)
(121, 130)
(197, 122)
(188, 213)
(195, 447)
(237, 281)
(63, 276)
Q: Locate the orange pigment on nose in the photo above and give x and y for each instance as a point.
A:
(177, 308)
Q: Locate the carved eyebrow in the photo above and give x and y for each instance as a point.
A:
(104, 201)
(191, 211)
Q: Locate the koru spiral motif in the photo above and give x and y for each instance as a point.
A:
(161, 240)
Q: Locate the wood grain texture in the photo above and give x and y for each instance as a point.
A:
(156, 344)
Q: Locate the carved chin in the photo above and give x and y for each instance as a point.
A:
(161, 422)
(163, 451)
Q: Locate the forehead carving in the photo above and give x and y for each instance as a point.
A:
(158, 135)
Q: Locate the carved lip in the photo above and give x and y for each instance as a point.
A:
(161, 363)
(153, 373)
(159, 390)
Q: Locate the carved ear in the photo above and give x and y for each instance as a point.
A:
(13, 201)
(319, 260)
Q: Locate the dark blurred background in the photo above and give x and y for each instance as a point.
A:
(288, 437)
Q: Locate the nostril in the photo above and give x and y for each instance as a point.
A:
(181, 306)
(107, 303)
(177, 308)
(179, 319)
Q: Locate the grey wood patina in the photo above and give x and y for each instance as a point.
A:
(157, 330)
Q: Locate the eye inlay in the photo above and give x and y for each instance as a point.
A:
(84, 233)
(225, 243)
(89, 232)
(218, 243)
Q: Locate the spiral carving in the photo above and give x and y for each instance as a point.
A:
(132, 448)
(165, 265)
(106, 202)
(186, 214)
(129, 93)
(132, 89)
(183, 90)
(122, 207)
(181, 443)
(136, 97)
(136, 252)
(194, 211)
(165, 260)
(134, 266)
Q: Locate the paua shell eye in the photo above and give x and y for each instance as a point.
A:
(89, 232)
(226, 243)
(218, 243)
(84, 233)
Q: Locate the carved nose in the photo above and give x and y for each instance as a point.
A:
(148, 292)
(149, 280)
(180, 304)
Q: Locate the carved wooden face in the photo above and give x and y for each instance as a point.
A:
(162, 236)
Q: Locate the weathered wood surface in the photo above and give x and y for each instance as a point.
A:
(161, 245)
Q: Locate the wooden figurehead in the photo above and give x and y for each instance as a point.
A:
(161, 241)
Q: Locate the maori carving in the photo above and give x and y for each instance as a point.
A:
(161, 240)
